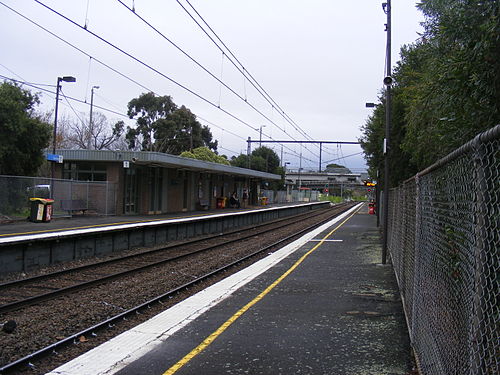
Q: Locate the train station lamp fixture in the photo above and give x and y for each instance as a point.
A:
(54, 140)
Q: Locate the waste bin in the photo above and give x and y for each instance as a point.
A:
(263, 201)
(371, 208)
(41, 210)
(220, 203)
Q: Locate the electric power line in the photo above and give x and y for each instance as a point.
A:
(252, 81)
(144, 64)
(107, 65)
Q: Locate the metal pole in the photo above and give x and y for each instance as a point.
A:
(53, 170)
(388, 119)
(260, 138)
(249, 142)
(320, 149)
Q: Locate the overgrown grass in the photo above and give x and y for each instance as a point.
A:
(337, 199)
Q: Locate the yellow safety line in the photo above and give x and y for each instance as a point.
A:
(101, 225)
(210, 339)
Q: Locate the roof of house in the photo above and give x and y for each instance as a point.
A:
(162, 160)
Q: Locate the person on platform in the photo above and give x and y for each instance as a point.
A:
(245, 198)
(234, 201)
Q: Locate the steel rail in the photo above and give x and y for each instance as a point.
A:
(8, 307)
(122, 316)
(190, 241)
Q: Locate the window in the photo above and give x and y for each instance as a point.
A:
(84, 171)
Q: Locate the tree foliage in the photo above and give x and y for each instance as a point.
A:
(262, 159)
(205, 154)
(163, 127)
(447, 88)
(23, 133)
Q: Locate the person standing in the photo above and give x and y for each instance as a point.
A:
(245, 198)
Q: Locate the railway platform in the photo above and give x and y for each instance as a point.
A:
(27, 246)
(78, 221)
(321, 305)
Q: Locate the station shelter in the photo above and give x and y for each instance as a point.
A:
(156, 183)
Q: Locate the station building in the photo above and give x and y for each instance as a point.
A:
(155, 183)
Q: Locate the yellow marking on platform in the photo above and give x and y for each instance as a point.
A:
(99, 225)
(210, 339)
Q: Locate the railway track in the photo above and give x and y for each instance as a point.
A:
(24, 292)
(236, 236)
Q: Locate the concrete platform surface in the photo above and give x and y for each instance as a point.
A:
(323, 305)
(78, 221)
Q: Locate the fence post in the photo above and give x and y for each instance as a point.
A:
(416, 256)
(106, 212)
(70, 195)
(476, 339)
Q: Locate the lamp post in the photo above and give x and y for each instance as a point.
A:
(260, 138)
(388, 83)
(54, 140)
(91, 127)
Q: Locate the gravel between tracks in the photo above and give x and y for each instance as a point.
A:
(40, 325)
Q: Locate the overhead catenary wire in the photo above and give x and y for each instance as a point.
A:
(242, 70)
(221, 82)
(140, 62)
(101, 63)
(66, 96)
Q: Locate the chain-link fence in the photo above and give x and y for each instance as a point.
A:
(444, 241)
(15, 192)
(295, 196)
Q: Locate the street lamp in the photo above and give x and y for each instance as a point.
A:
(260, 138)
(284, 165)
(58, 88)
(388, 81)
(91, 128)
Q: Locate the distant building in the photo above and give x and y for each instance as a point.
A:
(320, 181)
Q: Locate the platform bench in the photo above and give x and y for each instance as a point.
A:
(204, 205)
(73, 205)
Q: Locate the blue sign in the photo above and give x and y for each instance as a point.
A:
(54, 157)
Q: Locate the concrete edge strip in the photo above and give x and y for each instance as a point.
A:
(5, 239)
(115, 354)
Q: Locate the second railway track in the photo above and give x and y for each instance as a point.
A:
(66, 318)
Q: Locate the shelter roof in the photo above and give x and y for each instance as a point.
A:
(159, 159)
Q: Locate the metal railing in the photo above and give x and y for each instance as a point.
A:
(444, 241)
(15, 192)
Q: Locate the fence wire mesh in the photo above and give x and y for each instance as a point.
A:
(444, 242)
(97, 197)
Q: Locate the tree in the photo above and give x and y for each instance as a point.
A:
(180, 131)
(447, 88)
(205, 154)
(148, 109)
(262, 159)
(23, 134)
(337, 168)
(163, 127)
(99, 136)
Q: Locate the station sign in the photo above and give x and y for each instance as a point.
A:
(56, 158)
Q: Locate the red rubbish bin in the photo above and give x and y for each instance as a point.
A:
(219, 203)
(371, 208)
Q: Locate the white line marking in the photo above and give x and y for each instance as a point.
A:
(65, 233)
(115, 354)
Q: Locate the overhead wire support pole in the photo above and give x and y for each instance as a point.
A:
(388, 119)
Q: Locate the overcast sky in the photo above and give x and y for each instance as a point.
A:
(319, 60)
